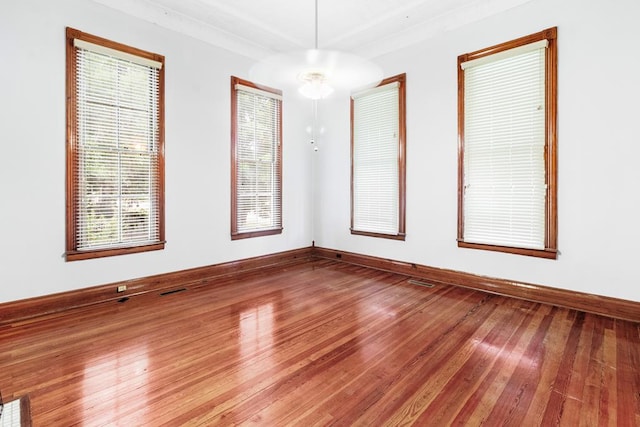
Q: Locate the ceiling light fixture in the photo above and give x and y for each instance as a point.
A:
(315, 85)
(315, 81)
(317, 72)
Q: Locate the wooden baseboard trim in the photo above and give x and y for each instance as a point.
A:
(606, 306)
(21, 310)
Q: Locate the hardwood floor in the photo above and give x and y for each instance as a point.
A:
(324, 343)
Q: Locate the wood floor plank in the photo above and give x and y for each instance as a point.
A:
(481, 403)
(559, 393)
(320, 343)
(434, 367)
(455, 395)
(628, 373)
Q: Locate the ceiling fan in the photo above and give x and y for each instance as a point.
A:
(317, 72)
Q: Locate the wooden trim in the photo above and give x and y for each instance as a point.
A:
(23, 416)
(72, 254)
(161, 154)
(100, 253)
(461, 134)
(550, 149)
(49, 304)
(401, 79)
(351, 152)
(549, 33)
(605, 306)
(540, 253)
(250, 234)
(400, 236)
(25, 411)
(72, 33)
(71, 142)
(235, 234)
(551, 142)
(402, 152)
(234, 157)
(200, 276)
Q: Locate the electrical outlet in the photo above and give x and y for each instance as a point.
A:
(122, 288)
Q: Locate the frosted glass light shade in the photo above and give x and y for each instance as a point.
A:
(314, 85)
(340, 71)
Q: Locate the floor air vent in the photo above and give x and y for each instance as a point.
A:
(421, 283)
(174, 291)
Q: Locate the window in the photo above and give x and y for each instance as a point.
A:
(507, 147)
(115, 148)
(256, 160)
(378, 160)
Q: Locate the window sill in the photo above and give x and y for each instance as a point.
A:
(101, 253)
(399, 236)
(250, 234)
(547, 253)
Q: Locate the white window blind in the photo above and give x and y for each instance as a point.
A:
(504, 144)
(375, 160)
(117, 191)
(258, 187)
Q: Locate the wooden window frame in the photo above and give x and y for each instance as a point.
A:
(235, 234)
(550, 153)
(402, 114)
(72, 253)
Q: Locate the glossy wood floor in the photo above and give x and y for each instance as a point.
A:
(324, 343)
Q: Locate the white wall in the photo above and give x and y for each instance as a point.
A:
(598, 145)
(32, 163)
(598, 151)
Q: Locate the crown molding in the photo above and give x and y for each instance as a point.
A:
(373, 38)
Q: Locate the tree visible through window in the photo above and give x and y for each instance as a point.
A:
(507, 152)
(115, 164)
(256, 166)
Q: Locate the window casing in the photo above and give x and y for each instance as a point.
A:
(507, 174)
(378, 118)
(256, 160)
(115, 148)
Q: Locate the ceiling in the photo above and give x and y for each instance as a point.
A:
(258, 28)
